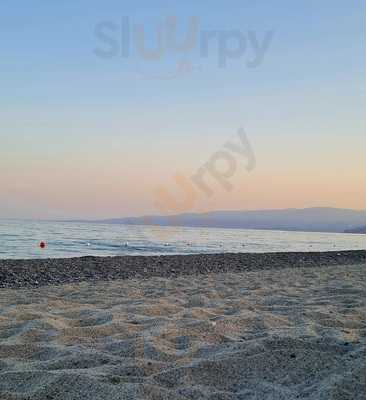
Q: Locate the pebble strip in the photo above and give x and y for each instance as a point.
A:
(34, 273)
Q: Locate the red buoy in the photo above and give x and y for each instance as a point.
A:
(42, 245)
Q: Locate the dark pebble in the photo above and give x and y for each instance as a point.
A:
(36, 273)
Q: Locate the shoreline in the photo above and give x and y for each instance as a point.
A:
(28, 273)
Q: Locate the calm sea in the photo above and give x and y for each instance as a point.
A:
(20, 239)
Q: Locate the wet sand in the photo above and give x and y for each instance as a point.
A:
(274, 333)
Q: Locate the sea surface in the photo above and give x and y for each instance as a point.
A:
(21, 239)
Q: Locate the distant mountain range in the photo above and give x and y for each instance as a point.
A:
(361, 229)
(308, 219)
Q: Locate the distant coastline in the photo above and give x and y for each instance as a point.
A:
(315, 219)
(360, 230)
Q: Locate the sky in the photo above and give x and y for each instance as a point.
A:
(105, 112)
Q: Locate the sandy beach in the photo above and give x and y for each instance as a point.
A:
(265, 333)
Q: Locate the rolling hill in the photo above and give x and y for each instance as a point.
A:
(308, 219)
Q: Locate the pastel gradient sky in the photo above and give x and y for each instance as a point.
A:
(90, 137)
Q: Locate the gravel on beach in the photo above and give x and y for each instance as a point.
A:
(34, 273)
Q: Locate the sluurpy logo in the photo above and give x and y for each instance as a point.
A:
(217, 172)
(219, 168)
(124, 39)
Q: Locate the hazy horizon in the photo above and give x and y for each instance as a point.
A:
(65, 219)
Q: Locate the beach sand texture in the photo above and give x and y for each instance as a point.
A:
(284, 334)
